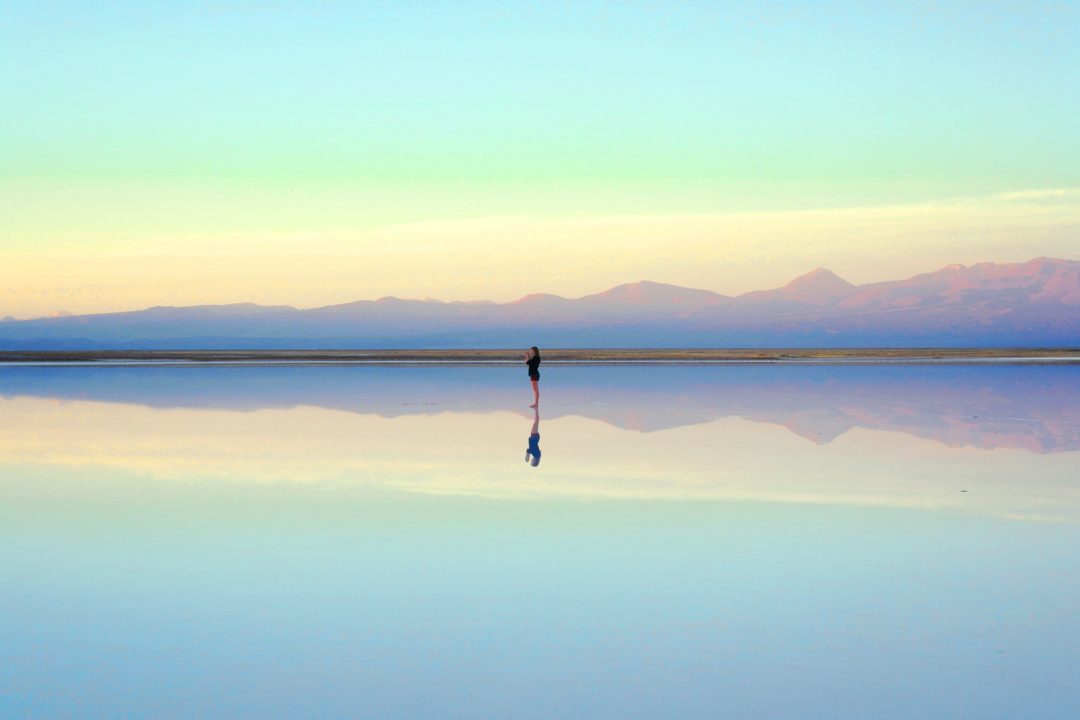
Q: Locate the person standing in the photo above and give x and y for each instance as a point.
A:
(532, 358)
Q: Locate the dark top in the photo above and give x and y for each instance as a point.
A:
(534, 445)
(534, 366)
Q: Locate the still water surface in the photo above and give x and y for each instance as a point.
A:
(694, 542)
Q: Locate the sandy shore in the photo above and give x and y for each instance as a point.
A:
(567, 356)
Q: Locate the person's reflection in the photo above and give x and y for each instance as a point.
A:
(532, 454)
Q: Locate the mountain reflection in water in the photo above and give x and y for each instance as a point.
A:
(1036, 408)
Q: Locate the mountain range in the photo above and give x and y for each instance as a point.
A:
(1036, 303)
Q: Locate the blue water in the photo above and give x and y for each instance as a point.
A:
(766, 542)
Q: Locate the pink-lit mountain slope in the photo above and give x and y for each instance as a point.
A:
(1042, 281)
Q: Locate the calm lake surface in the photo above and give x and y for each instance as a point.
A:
(695, 542)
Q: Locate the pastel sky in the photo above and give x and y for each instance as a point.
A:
(320, 152)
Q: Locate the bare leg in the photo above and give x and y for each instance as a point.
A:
(536, 393)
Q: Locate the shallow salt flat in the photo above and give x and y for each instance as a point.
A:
(988, 360)
(770, 541)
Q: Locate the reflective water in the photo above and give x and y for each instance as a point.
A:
(693, 542)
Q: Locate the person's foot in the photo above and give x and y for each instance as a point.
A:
(533, 405)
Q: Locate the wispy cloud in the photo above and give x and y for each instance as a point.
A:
(1039, 194)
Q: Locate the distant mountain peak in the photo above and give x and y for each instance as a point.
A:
(817, 287)
(532, 298)
(649, 292)
(1049, 263)
(820, 278)
(639, 286)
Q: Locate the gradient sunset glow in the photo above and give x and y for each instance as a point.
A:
(315, 153)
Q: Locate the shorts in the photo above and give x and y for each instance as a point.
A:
(534, 376)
